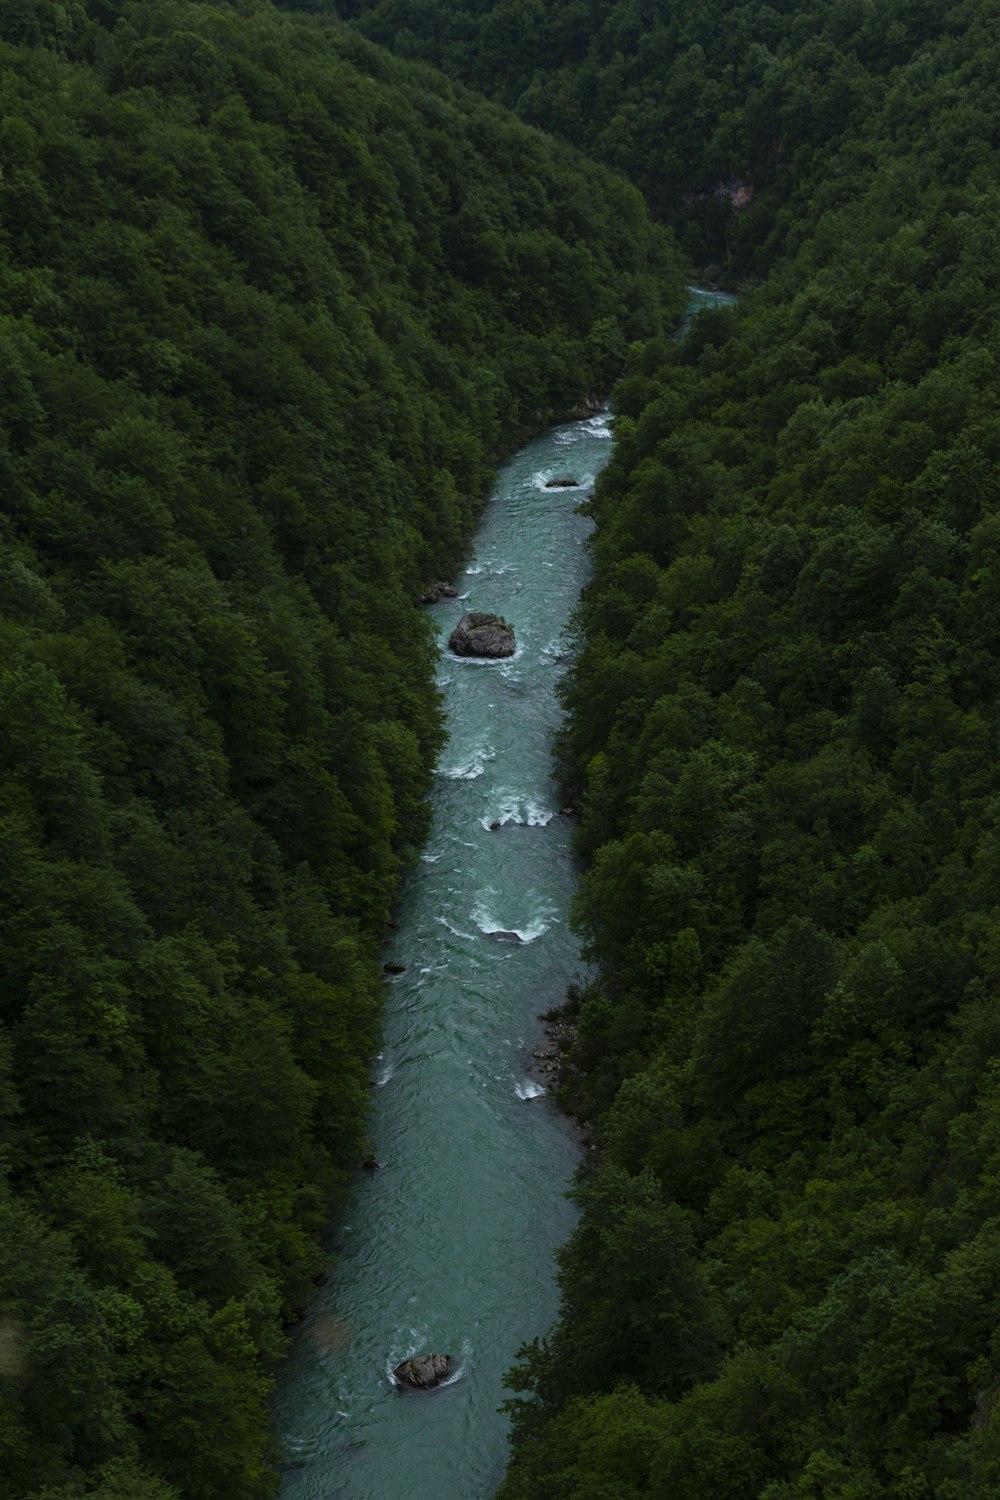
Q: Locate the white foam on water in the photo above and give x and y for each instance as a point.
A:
(420, 1343)
(430, 859)
(457, 932)
(527, 1089)
(471, 768)
(541, 480)
(474, 570)
(488, 661)
(513, 808)
(598, 427)
(415, 1339)
(383, 1075)
(470, 771)
(488, 923)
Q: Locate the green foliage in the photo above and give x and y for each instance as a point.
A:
(272, 304)
(783, 729)
(715, 111)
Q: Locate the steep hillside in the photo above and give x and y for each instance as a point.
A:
(272, 302)
(715, 110)
(786, 1283)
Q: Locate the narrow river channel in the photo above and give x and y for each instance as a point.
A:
(449, 1248)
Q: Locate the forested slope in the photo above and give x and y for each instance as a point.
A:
(270, 304)
(786, 1282)
(697, 103)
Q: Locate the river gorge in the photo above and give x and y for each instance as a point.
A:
(449, 1246)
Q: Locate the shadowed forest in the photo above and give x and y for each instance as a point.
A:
(273, 303)
(784, 718)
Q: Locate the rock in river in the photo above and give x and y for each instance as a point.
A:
(424, 1372)
(505, 937)
(479, 634)
(562, 482)
(433, 593)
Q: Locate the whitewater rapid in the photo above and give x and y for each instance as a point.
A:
(450, 1247)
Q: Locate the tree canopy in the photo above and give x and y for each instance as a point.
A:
(272, 304)
(782, 736)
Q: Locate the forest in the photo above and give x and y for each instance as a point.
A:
(273, 302)
(784, 716)
(783, 726)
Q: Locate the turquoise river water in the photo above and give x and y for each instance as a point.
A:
(449, 1248)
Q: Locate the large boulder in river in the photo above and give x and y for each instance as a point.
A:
(424, 1372)
(479, 634)
(562, 482)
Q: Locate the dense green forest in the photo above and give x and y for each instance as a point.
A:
(693, 101)
(272, 303)
(784, 726)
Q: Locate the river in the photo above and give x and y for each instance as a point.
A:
(449, 1248)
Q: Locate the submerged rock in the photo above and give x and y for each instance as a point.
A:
(562, 482)
(393, 968)
(480, 634)
(424, 1372)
